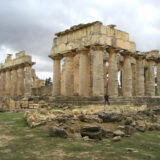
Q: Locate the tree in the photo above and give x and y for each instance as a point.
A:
(48, 81)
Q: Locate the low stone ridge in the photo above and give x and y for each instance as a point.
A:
(110, 116)
(70, 123)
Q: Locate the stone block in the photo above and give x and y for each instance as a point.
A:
(121, 35)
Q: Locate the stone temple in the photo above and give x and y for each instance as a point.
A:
(17, 78)
(89, 61)
(100, 59)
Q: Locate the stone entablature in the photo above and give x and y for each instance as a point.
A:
(85, 35)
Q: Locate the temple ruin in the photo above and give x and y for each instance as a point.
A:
(17, 78)
(90, 60)
(100, 59)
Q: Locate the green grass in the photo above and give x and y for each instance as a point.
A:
(20, 142)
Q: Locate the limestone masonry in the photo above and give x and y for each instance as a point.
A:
(90, 60)
(17, 76)
(94, 56)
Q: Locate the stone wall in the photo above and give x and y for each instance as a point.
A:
(42, 91)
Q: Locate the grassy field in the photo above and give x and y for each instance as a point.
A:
(20, 142)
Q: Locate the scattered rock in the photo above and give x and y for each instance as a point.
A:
(91, 128)
(129, 130)
(63, 118)
(117, 138)
(128, 121)
(93, 132)
(118, 133)
(82, 117)
(57, 132)
(131, 150)
(107, 133)
(110, 116)
(122, 128)
(141, 126)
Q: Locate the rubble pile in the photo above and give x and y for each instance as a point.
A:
(96, 123)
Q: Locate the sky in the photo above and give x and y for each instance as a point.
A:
(30, 25)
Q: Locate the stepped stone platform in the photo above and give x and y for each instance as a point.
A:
(137, 101)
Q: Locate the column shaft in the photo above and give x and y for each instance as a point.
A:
(127, 77)
(150, 79)
(83, 74)
(0, 84)
(8, 83)
(105, 77)
(14, 82)
(76, 74)
(3, 83)
(68, 79)
(97, 71)
(158, 79)
(140, 90)
(113, 74)
(20, 87)
(56, 78)
(134, 74)
(28, 80)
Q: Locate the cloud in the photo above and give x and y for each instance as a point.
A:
(31, 24)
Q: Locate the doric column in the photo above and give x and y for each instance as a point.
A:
(63, 77)
(140, 86)
(83, 72)
(3, 83)
(97, 71)
(158, 78)
(76, 74)
(150, 78)
(14, 82)
(20, 87)
(127, 76)
(0, 83)
(105, 76)
(68, 76)
(134, 74)
(8, 82)
(56, 76)
(113, 73)
(28, 80)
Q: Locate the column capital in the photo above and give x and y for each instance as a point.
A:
(8, 69)
(126, 53)
(57, 57)
(139, 56)
(21, 66)
(69, 53)
(82, 50)
(111, 50)
(97, 47)
(151, 60)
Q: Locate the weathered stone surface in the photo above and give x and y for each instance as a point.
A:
(128, 121)
(57, 132)
(110, 116)
(118, 133)
(141, 126)
(127, 77)
(93, 132)
(106, 133)
(63, 118)
(113, 74)
(117, 138)
(129, 130)
(90, 128)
